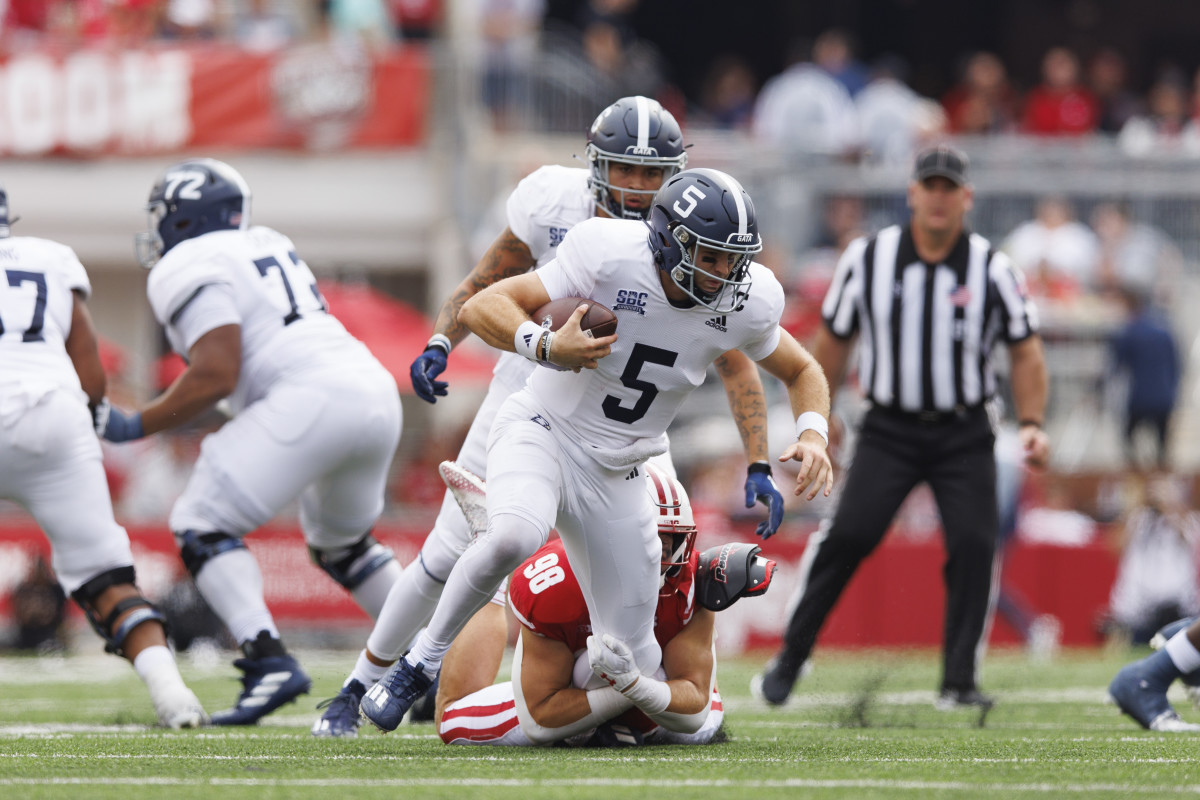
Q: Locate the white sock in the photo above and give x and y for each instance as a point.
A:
(232, 584)
(366, 672)
(371, 595)
(1183, 653)
(409, 605)
(156, 667)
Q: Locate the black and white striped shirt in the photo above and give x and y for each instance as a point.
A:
(927, 329)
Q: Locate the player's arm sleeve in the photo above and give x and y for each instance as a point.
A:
(549, 707)
(574, 269)
(71, 271)
(524, 210)
(212, 307)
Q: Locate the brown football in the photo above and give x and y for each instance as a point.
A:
(599, 320)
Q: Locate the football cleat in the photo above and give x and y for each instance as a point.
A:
(341, 712)
(180, 709)
(774, 684)
(950, 699)
(469, 492)
(269, 683)
(1140, 690)
(385, 703)
(612, 734)
(425, 709)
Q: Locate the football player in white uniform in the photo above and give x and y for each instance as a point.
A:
(634, 146)
(316, 416)
(50, 373)
(554, 695)
(564, 451)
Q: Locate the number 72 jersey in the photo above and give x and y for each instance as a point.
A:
(253, 279)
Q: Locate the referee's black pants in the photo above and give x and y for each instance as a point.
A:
(895, 452)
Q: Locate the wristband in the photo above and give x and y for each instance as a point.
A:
(527, 339)
(812, 421)
(440, 341)
(1032, 422)
(544, 347)
(649, 694)
(760, 466)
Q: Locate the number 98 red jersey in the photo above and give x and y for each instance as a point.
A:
(545, 597)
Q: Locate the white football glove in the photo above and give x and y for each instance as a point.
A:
(612, 661)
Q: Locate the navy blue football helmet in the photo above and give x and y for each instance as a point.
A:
(633, 130)
(193, 198)
(704, 208)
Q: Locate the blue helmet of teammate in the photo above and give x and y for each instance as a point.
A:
(637, 131)
(705, 208)
(190, 199)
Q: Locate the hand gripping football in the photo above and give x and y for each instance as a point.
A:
(598, 321)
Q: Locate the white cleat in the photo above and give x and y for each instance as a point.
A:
(469, 492)
(1169, 722)
(180, 709)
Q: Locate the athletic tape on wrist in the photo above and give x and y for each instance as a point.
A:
(649, 694)
(440, 341)
(812, 421)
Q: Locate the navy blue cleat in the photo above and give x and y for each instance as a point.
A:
(1140, 690)
(385, 703)
(341, 712)
(268, 683)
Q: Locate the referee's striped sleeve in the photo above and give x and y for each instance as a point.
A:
(1019, 311)
(844, 298)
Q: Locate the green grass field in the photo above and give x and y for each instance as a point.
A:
(861, 726)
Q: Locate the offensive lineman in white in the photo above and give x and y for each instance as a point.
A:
(49, 374)
(317, 417)
(565, 450)
(634, 146)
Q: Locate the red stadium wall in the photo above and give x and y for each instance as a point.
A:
(215, 97)
(895, 599)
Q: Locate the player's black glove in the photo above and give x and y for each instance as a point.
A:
(428, 366)
(761, 486)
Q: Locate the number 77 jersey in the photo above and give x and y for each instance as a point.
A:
(662, 351)
(253, 279)
(37, 277)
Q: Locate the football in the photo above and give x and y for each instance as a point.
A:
(599, 320)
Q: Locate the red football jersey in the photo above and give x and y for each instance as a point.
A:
(546, 598)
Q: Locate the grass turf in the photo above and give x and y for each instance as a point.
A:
(861, 726)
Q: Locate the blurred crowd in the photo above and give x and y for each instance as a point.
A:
(828, 100)
(257, 25)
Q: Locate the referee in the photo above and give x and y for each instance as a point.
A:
(930, 300)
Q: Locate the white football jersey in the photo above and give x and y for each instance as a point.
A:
(36, 306)
(662, 352)
(545, 205)
(285, 325)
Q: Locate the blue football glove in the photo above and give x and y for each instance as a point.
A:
(428, 366)
(761, 486)
(115, 425)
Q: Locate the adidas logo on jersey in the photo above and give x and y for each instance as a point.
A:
(718, 323)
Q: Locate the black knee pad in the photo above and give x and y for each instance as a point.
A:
(352, 565)
(114, 637)
(198, 548)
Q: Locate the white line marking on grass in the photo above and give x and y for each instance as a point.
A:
(1123, 790)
